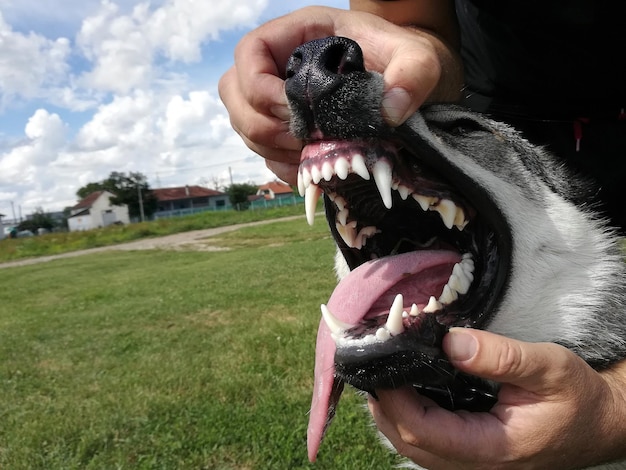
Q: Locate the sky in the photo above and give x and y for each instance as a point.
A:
(88, 87)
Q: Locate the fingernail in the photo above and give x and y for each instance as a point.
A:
(462, 345)
(395, 104)
(281, 111)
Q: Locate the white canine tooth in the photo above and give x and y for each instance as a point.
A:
(382, 334)
(394, 324)
(342, 168)
(327, 171)
(448, 295)
(415, 311)
(404, 192)
(312, 195)
(423, 201)
(447, 210)
(433, 305)
(301, 187)
(342, 216)
(359, 167)
(336, 326)
(347, 233)
(382, 176)
(316, 174)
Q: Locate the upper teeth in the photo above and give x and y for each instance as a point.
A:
(310, 175)
(458, 283)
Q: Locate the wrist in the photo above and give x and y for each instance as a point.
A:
(615, 378)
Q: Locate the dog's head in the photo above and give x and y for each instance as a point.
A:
(432, 221)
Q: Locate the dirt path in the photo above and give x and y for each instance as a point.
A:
(168, 241)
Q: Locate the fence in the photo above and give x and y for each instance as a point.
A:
(253, 205)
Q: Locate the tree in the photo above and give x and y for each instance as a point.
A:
(238, 195)
(38, 219)
(127, 189)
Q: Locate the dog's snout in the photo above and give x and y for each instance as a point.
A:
(319, 67)
(330, 56)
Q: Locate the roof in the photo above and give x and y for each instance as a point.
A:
(88, 201)
(184, 192)
(277, 187)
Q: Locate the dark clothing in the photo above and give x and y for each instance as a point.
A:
(556, 70)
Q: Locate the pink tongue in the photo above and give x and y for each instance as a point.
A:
(350, 302)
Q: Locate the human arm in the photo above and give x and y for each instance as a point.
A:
(418, 61)
(553, 410)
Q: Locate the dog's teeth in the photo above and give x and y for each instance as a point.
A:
(464, 281)
(382, 334)
(316, 174)
(404, 192)
(415, 311)
(423, 201)
(382, 176)
(394, 324)
(433, 305)
(347, 233)
(301, 187)
(342, 216)
(468, 266)
(340, 202)
(460, 221)
(447, 210)
(448, 295)
(311, 196)
(327, 171)
(364, 234)
(336, 326)
(359, 167)
(306, 179)
(342, 168)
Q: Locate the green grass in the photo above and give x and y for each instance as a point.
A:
(55, 243)
(173, 360)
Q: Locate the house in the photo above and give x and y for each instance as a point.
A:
(96, 211)
(188, 198)
(275, 190)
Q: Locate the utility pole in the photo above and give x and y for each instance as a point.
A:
(140, 202)
(230, 172)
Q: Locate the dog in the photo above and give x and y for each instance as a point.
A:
(451, 219)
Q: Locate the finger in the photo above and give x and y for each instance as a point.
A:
(407, 58)
(288, 172)
(423, 431)
(265, 134)
(536, 367)
(390, 431)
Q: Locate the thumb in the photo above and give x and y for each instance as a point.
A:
(536, 367)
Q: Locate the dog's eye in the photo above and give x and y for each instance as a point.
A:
(461, 127)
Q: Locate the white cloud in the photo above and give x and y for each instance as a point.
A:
(127, 48)
(29, 62)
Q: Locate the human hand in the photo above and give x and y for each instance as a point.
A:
(253, 89)
(553, 410)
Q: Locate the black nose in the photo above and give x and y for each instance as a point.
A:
(318, 68)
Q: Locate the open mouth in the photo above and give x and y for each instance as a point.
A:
(418, 253)
(422, 259)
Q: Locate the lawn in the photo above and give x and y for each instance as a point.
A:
(173, 360)
(62, 242)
